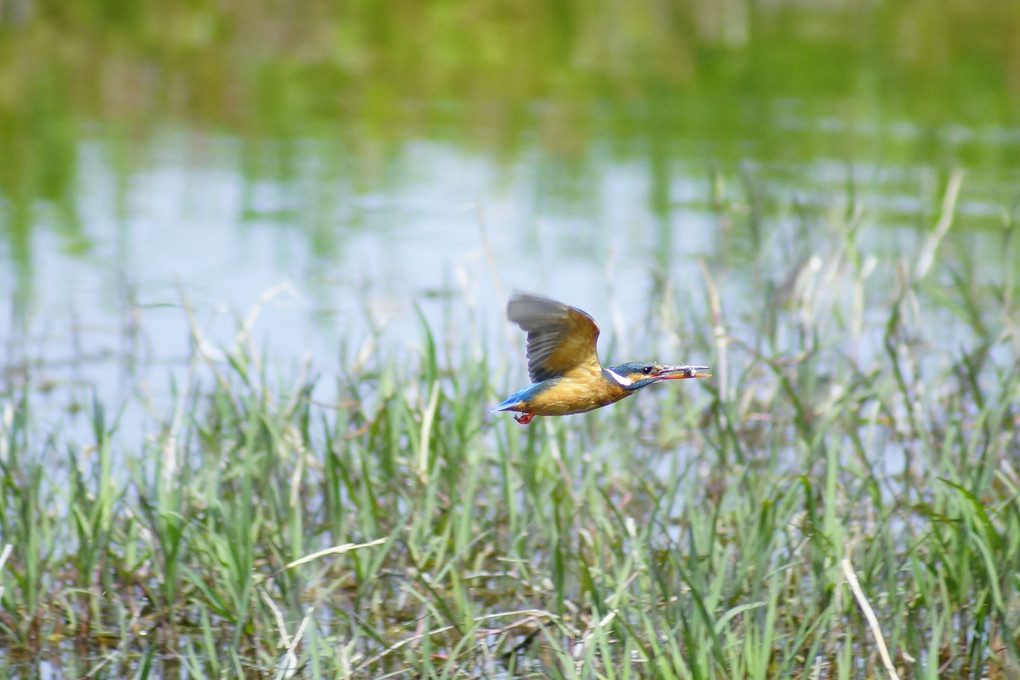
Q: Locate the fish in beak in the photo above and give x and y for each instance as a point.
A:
(683, 372)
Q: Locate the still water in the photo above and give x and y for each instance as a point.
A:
(340, 182)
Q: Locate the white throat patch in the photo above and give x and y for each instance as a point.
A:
(623, 382)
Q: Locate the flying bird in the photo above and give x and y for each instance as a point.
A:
(566, 374)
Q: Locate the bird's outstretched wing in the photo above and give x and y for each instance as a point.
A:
(560, 338)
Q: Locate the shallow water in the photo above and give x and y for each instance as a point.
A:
(403, 163)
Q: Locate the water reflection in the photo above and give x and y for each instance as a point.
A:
(191, 223)
(372, 155)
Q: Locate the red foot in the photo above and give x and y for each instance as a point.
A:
(524, 418)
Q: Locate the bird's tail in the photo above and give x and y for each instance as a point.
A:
(507, 405)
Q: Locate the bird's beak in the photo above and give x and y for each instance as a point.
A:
(683, 372)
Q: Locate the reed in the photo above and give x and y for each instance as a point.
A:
(398, 530)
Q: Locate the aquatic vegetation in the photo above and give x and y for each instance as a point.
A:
(846, 484)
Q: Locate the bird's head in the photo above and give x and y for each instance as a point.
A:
(634, 375)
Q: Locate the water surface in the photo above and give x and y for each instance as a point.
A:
(363, 162)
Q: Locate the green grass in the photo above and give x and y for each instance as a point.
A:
(696, 532)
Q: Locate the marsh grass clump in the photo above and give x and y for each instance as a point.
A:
(841, 501)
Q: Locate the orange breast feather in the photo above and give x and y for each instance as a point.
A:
(576, 392)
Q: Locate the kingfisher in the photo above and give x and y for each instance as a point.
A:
(566, 374)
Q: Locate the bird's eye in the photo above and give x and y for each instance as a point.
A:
(646, 370)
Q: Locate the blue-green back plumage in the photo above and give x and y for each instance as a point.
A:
(525, 395)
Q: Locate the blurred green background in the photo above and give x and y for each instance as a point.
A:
(328, 130)
(930, 81)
